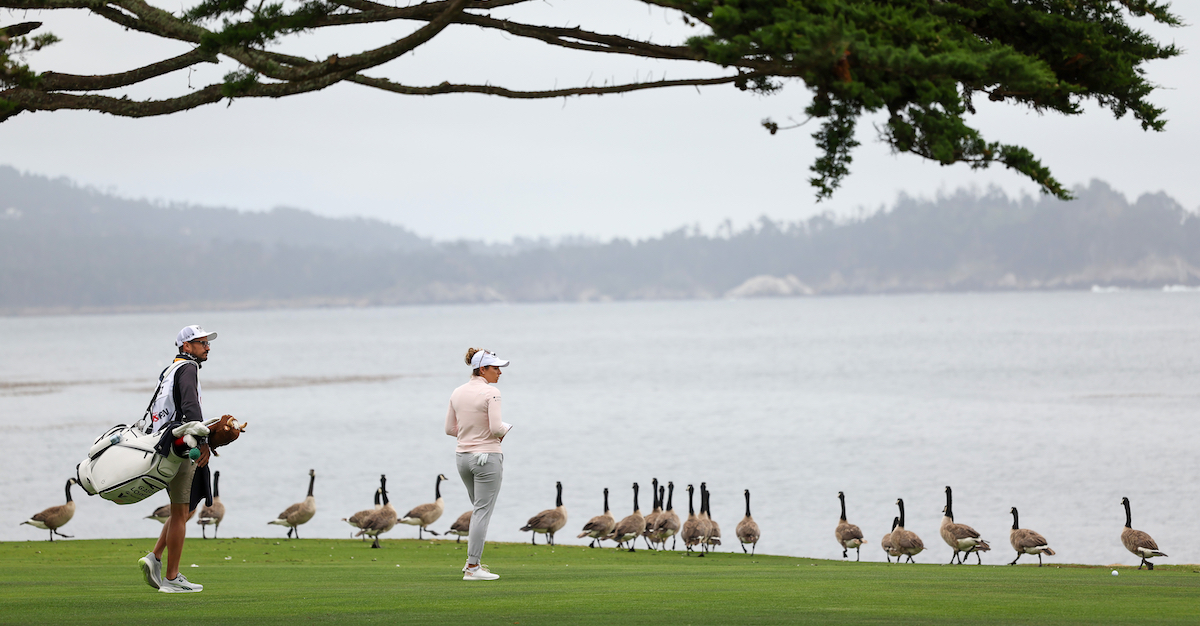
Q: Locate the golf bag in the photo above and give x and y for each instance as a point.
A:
(127, 466)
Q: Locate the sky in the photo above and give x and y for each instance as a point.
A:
(479, 167)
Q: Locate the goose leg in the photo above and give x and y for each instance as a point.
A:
(290, 529)
(953, 557)
(533, 538)
(432, 532)
(844, 555)
(1039, 559)
(376, 544)
(551, 540)
(1014, 561)
(753, 548)
(420, 536)
(52, 539)
(857, 553)
(204, 531)
(744, 549)
(978, 557)
(297, 532)
(672, 543)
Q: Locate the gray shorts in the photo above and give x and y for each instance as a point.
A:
(180, 487)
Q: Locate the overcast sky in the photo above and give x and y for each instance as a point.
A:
(481, 167)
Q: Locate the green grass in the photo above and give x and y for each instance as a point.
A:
(267, 581)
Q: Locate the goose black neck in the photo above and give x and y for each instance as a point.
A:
(662, 492)
(437, 488)
(69, 483)
(1128, 515)
(654, 493)
(635, 491)
(895, 522)
(1016, 526)
(216, 484)
(377, 492)
(558, 500)
(691, 501)
(670, 496)
(949, 504)
(900, 503)
(704, 510)
(748, 504)
(385, 498)
(312, 478)
(606, 499)
(842, 497)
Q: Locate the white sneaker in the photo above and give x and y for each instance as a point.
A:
(151, 570)
(180, 584)
(479, 573)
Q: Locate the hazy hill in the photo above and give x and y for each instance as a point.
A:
(66, 248)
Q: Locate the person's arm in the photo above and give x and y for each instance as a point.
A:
(495, 424)
(187, 385)
(451, 421)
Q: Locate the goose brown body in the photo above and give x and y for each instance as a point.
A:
(848, 535)
(55, 517)
(712, 537)
(299, 513)
(549, 521)
(960, 537)
(631, 526)
(379, 522)
(906, 542)
(667, 525)
(886, 542)
(599, 526)
(747, 530)
(1141, 544)
(212, 515)
(1026, 541)
(692, 531)
(461, 526)
(423, 515)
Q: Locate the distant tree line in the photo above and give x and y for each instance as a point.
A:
(63, 248)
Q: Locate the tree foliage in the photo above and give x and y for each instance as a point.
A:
(921, 62)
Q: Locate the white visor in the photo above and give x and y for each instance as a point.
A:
(483, 358)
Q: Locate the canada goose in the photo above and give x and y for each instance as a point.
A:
(667, 525)
(600, 526)
(423, 515)
(357, 519)
(692, 531)
(212, 515)
(549, 521)
(712, 538)
(461, 526)
(299, 513)
(960, 537)
(163, 513)
(1026, 541)
(848, 535)
(629, 528)
(747, 529)
(379, 522)
(906, 542)
(886, 543)
(655, 511)
(55, 517)
(1138, 542)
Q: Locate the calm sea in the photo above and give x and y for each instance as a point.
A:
(1056, 403)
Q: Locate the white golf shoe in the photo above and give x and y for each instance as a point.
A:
(479, 573)
(151, 570)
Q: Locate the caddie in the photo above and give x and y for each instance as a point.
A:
(178, 401)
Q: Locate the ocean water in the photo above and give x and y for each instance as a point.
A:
(1056, 403)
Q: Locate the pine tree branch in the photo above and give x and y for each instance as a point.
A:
(54, 81)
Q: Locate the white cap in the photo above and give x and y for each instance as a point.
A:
(193, 333)
(483, 358)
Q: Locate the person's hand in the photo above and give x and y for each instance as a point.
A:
(203, 460)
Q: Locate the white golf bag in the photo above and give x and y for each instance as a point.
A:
(123, 466)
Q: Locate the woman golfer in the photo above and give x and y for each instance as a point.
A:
(474, 418)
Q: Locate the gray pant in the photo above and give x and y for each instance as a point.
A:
(483, 485)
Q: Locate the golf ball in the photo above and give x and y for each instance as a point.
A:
(1114, 572)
